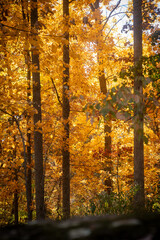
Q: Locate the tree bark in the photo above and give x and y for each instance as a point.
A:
(66, 112)
(38, 142)
(138, 107)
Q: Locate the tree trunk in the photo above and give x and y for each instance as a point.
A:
(138, 112)
(38, 148)
(29, 155)
(107, 119)
(66, 112)
(16, 190)
(16, 200)
(107, 138)
(25, 13)
(29, 176)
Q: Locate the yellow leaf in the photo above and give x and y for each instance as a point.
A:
(54, 48)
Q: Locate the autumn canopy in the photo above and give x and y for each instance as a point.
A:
(79, 108)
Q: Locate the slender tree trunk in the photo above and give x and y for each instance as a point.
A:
(66, 112)
(38, 149)
(25, 13)
(29, 144)
(16, 200)
(107, 119)
(138, 91)
(29, 176)
(16, 190)
(59, 200)
(107, 138)
(29, 156)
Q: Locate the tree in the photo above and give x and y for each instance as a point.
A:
(66, 111)
(38, 142)
(104, 90)
(100, 41)
(26, 20)
(138, 106)
(73, 118)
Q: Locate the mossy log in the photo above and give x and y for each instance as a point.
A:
(87, 228)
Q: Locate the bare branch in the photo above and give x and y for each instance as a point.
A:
(106, 19)
(113, 27)
(111, 13)
(17, 29)
(58, 97)
(30, 32)
(92, 7)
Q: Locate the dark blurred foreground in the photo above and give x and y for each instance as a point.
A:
(87, 228)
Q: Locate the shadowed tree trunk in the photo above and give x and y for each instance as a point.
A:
(16, 190)
(16, 199)
(107, 138)
(66, 112)
(29, 144)
(38, 149)
(138, 112)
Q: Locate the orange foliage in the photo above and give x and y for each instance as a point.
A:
(86, 142)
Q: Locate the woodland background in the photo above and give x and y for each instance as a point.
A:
(71, 112)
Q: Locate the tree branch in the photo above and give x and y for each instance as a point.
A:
(111, 13)
(30, 32)
(113, 27)
(17, 29)
(58, 97)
